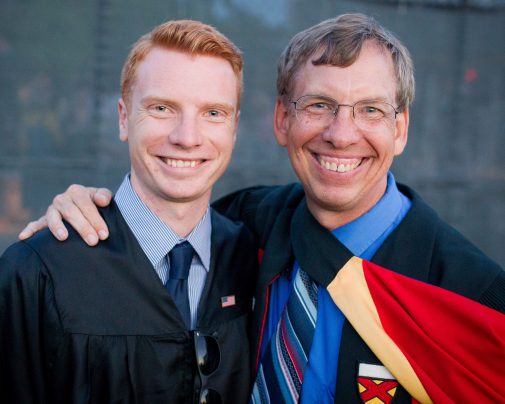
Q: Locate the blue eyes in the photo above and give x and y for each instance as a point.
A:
(162, 111)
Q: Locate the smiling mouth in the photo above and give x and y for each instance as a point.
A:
(177, 163)
(340, 165)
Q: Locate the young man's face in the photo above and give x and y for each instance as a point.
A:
(180, 125)
(343, 168)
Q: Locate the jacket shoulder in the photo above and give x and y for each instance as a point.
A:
(60, 256)
(440, 253)
(259, 207)
(20, 261)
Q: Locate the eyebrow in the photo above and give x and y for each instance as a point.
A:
(207, 105)
(370, 99)
(375, 99)
(155, 100)
(220, 105)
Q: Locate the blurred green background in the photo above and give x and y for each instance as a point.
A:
(59, 84)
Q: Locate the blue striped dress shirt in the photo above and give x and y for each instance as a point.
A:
(157, 239)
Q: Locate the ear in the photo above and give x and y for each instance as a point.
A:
(237, 120)
(123, 120)
(401, 131)
(281, 122)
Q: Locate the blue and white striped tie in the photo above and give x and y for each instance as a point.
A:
(280, 375)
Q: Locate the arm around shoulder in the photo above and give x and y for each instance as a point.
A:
(258, 207)
(78, 206)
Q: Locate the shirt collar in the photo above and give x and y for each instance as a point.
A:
(156, 238)
(362, 232)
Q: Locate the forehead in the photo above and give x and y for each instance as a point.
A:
(372, 75)
(173, 74)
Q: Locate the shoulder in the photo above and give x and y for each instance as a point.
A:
(278, 198)
(447, 241)
(20, 267)
(43, 249)
(260, 207)
(252, 198)
(454, 262)
(26, 263)
(44, 242)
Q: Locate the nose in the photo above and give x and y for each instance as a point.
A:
(342, 131)
(186, 134)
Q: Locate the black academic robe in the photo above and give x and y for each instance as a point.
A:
(422, 247)
(81, 324)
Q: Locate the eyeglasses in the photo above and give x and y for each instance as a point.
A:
(208, 357)
(318, 111)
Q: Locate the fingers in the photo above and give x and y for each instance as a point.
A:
(55, 223)
(32, 228)
(77, 207)
(102, 197)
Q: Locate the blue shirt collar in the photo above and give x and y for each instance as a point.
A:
(360, 234)
(156, 238)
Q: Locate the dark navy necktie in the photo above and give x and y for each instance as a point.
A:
(180, 258)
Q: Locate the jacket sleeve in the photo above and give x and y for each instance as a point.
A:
(25, 297)
(259, 207)
(242, 205)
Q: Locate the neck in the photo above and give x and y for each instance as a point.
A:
(332, 218)
(181, 217)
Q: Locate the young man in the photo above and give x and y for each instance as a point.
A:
(330, 327)
(156, 313)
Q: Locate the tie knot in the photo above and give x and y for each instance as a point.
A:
(180, 260)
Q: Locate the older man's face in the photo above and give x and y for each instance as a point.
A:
(343, 167)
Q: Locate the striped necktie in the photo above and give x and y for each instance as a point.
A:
(280, 375)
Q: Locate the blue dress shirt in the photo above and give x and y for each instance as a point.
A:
(157, 239)
(363, 237)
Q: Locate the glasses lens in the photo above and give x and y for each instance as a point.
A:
(209, 396)
(207, 354)
(369, 114)
(315, 110)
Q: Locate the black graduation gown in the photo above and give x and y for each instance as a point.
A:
(81, 324)
(422, 247)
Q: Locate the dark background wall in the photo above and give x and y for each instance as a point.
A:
(59, 73)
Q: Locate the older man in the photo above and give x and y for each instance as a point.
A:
(330, 327)
(158, 313)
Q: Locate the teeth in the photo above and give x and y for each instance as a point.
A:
(181, 163)
(341, 168)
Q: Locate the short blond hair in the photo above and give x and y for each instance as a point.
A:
(193, 37)
(338, 42)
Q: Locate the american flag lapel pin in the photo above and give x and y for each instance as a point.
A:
(228, 301)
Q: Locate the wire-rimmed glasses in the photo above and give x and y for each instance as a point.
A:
(319, 111)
